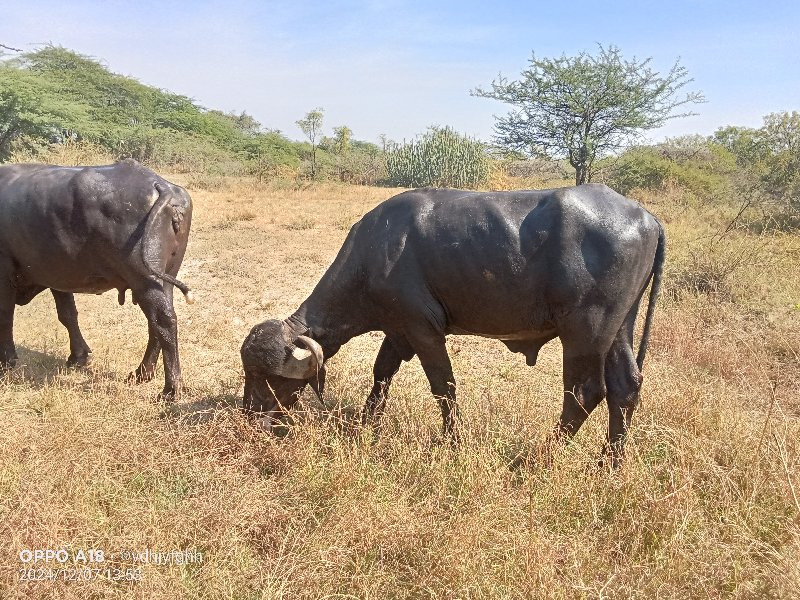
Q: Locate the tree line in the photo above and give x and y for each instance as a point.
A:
(583, 114)
(55, 96)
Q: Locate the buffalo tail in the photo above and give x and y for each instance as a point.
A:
(158, 206)
(655, 289)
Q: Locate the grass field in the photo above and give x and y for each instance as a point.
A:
(707, 505)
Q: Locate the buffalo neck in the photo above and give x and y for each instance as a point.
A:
(335, 312)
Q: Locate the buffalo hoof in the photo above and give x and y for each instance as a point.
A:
(8, 357)
(264, 424)
(610, 460)
(140, 375)
(168, 396)
(82, 360)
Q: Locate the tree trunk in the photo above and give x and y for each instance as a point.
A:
(581, 174)
(5, 142)
(582, 165)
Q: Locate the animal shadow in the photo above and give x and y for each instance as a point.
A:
(204, 409)
(39, 369)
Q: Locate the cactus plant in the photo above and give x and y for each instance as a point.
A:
(441, 158)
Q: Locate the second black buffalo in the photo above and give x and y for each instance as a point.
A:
(522, 267)
(92, 229)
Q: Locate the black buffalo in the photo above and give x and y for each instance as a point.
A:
(522, 267)
(89, 230)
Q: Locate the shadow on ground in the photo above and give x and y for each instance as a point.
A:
(38, 369)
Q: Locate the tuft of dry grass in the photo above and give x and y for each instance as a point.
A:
(706, 505)
(301, 224)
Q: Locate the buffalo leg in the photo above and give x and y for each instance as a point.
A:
(147, 368)
(8, 353)
(162, 325)
(79, 351)
(386, 366)
(584, 389)
(623, 380)
(432, 352)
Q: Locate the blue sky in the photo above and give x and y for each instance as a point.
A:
(385, 66)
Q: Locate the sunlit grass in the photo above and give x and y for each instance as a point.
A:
(705, 506)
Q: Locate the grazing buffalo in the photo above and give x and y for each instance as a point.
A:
(522, 267)
(88, 230)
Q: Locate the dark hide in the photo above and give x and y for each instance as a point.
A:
(522, 267)
(89, 230)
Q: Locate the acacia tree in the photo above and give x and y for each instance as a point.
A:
(30, 109)
(311, 125)
(584, 107)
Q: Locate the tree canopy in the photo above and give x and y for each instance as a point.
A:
(311, 125)
(54, 95)
(770, 155)
(587, 106)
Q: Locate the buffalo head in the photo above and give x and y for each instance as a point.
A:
(278, 364)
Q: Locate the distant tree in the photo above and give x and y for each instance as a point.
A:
(584, 107)
(235, 124)
(341, 139)
(782, 132)
(779, 136)
(387, 145)
(246, 123)
(744, 143)
(770, 155)
(782, 178)
(311, 125)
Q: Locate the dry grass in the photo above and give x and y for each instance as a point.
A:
(705, 507)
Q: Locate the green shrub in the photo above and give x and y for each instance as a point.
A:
(701, 167)
(640, 168)
(362, 163)
(768, 159)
